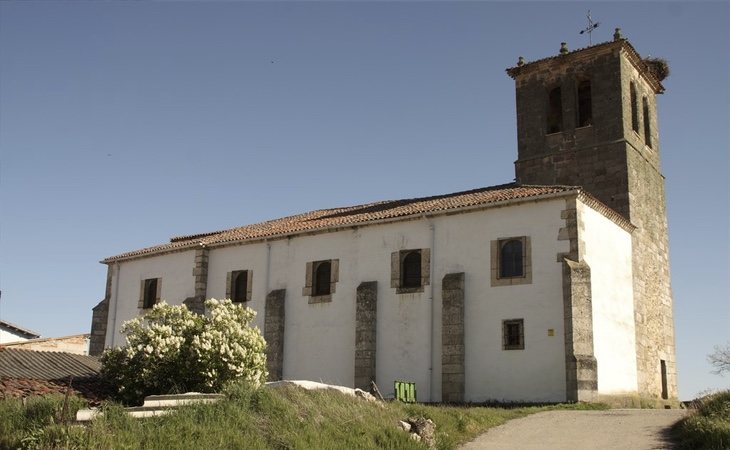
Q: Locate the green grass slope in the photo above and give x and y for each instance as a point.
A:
(283, 418)
(708, 427)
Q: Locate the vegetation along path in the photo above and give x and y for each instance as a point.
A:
(611, 429)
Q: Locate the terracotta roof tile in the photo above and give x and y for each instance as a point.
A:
(351, 216)
(92, 389)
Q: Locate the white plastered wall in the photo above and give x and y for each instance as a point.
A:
(7, 336)
(536, 373)
(320, 338)
(607, 250)
(178, 283)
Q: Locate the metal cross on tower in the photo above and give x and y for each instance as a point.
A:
(589, 29)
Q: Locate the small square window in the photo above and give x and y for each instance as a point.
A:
(238, 287)
(149, 293)
(321, 280)
(513, 334)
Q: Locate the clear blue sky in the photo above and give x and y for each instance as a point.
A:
(122, 124)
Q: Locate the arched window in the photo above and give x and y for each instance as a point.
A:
(555, 111)
(411, 270)
(647, 123)
(322, 278)
(585, 104)
(150, 293)
(240, 286)
(634, 108)
(511, 259)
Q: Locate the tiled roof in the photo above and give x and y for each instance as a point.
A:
(15, 329)
(28, 364)
(620, 43)
(355, 215)
(93, 389)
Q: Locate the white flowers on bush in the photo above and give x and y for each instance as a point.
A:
(171, 349)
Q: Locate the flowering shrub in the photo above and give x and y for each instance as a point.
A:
(170, 349)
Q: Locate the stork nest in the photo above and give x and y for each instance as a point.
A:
(659, 67)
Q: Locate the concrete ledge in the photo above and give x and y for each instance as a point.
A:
(155, 405)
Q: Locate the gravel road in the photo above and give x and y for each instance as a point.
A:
(635, 429)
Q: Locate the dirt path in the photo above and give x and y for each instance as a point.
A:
(635, 429)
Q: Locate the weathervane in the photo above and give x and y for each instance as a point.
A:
(589, 29)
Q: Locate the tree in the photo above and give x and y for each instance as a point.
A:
(720, 359)
(171, 349)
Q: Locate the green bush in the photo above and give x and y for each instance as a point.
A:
(709, 426)
(172, 350)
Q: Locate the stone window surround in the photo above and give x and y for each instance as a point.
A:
(308, 289)
(230, 281)
(496, 253)
(396, 265)
(142, 304)
(505, 344)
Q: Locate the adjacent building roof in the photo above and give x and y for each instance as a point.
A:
(356, 215)
(28, 364)
(17, 330)
(77, 344)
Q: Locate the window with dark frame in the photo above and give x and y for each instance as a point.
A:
(239, 286)
(320, 281)
(411, 270)
(634, 108)
(322, 278)
(585, 104)
(555, 111)
(511, 258)
(150, 293)
(513, 334)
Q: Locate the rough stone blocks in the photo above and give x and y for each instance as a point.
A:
(452, 338)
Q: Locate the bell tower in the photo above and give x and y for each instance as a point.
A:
(588, 118)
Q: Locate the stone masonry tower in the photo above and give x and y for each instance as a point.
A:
(588, 118)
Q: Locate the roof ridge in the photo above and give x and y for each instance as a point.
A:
(355, 215)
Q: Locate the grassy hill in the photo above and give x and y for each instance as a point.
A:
(708, 427)
(284, 418)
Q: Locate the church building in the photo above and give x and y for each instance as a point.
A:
(552, 288)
